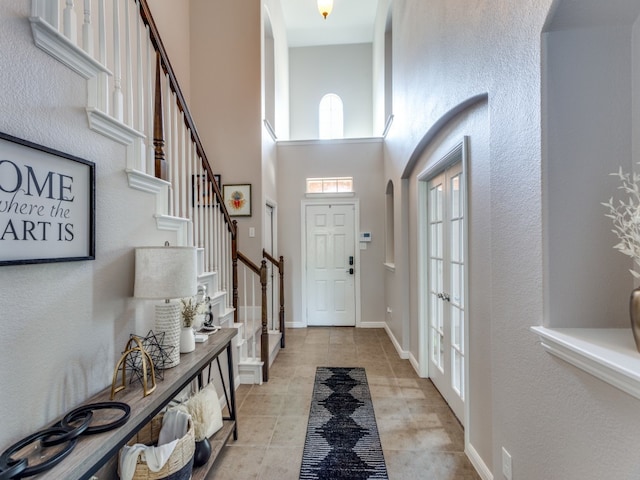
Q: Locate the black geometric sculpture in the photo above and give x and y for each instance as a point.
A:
(159, 353)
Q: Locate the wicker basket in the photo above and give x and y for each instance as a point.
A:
(180, 463)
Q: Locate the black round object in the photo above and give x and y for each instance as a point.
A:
(56, 439)
(202, 453)
(16, 469)
(80, 412)
(6, 462)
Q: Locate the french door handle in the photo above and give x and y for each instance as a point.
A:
(444, 296)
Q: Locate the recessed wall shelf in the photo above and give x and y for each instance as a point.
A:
(609, 354)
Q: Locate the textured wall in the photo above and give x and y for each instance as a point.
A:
(64, 324)
(172, 19)
(226, 81)
(362, 161)
(345, 70)
(557, 422)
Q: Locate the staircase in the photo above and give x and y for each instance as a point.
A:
(135, 100)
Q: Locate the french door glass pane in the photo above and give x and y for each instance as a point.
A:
(455, 283)
(456, 327)
(437, 349)
(456, 194)
(457, 372)
(436, 240)
(435, 201)
(456, 241)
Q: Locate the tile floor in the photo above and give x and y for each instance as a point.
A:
(421, 438)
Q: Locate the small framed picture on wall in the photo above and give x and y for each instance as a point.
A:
(237, 199)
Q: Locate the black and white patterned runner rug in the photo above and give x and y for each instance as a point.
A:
(342, 436)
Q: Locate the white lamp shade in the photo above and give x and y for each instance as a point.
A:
(165, 272)
(325, 7)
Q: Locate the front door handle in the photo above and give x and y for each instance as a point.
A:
(350, 271)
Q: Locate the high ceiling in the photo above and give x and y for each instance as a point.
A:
(351, 21)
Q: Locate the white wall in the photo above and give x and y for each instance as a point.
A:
(363, 161)
(379, 51)
(345, 70)
(226, 80)
(272, 13)
(557, 422)
(172, 18)
(588, 135)
(272, 9)
(64, 325)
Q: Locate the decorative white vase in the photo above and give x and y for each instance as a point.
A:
(187, 340)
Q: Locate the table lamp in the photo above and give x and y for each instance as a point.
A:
(166, 273)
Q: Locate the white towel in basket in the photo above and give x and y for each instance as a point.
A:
(174, 426)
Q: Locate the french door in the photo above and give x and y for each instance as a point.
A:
(446, 246)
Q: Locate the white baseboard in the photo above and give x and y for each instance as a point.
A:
(371, 325)
(477, 463)
(403, 354)
(414, 363)
(294, 325)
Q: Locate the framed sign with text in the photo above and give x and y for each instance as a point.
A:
(47, 204)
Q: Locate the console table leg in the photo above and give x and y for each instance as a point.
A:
(232, 391)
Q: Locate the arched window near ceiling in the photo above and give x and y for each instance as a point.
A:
(331, 117)
(389, 226)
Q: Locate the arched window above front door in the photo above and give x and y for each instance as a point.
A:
(331, 119)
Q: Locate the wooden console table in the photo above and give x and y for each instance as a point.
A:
(94, 451)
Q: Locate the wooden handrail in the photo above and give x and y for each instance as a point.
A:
(261, 271)
(160, 163)
(156, 41)
(247, 261)
(280, 265)
(266, 255)
(264, 337)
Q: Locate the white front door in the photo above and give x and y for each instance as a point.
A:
(446, 285)
(330, 265)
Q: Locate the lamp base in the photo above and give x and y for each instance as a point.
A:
(168, 320)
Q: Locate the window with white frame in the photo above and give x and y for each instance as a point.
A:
(330, 185)
(331, 117)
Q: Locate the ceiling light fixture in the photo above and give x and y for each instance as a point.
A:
(325, 7)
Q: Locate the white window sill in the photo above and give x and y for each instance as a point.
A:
(609, 354)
